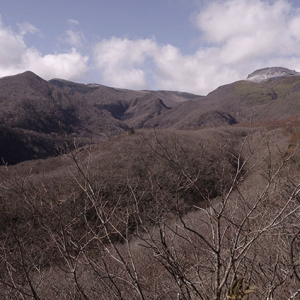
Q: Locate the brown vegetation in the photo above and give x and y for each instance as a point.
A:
(37, 115)
(208, 213)
(155, 215)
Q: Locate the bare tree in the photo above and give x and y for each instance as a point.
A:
(178, 222)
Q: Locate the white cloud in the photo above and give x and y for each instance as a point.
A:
(122, 62)
(246, 29)
(198, 73)
(250, 34)
(27, 27)
(221, 21)
(16, 57)
(74, 38)
(73, 22)
(71, 65)
(238, 36)
(143, 63)
(12, 48)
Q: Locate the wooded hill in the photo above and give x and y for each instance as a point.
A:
(149, 194)
(38, 116)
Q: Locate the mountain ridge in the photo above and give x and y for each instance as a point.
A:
(271, 73)
(39, 113)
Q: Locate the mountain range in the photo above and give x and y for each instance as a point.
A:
(38, 117)
(109, 193)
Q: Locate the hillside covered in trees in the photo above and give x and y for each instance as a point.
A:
(116, 194)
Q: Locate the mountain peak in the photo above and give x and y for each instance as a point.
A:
(270, 73)
(25, 78)
(28, 75)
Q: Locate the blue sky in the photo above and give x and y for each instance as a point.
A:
(187, 45)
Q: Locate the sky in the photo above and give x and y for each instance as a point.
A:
(183, 45)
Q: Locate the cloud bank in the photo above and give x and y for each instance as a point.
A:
(236, 37)
(17, 57)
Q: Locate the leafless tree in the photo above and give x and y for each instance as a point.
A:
(234, 217)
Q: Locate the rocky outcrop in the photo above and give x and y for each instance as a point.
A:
(270, 73)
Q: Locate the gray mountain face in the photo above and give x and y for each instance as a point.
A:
(270, 73)
(37, 117)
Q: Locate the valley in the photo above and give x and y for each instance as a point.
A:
(108, 193)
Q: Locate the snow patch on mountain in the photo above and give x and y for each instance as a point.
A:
(270, 73)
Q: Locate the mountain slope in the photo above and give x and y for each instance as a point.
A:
(276, 99)
(272, 100)
(31, 106)
(38, 116)
(135, 108)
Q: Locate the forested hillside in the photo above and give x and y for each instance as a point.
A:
(122, 194)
